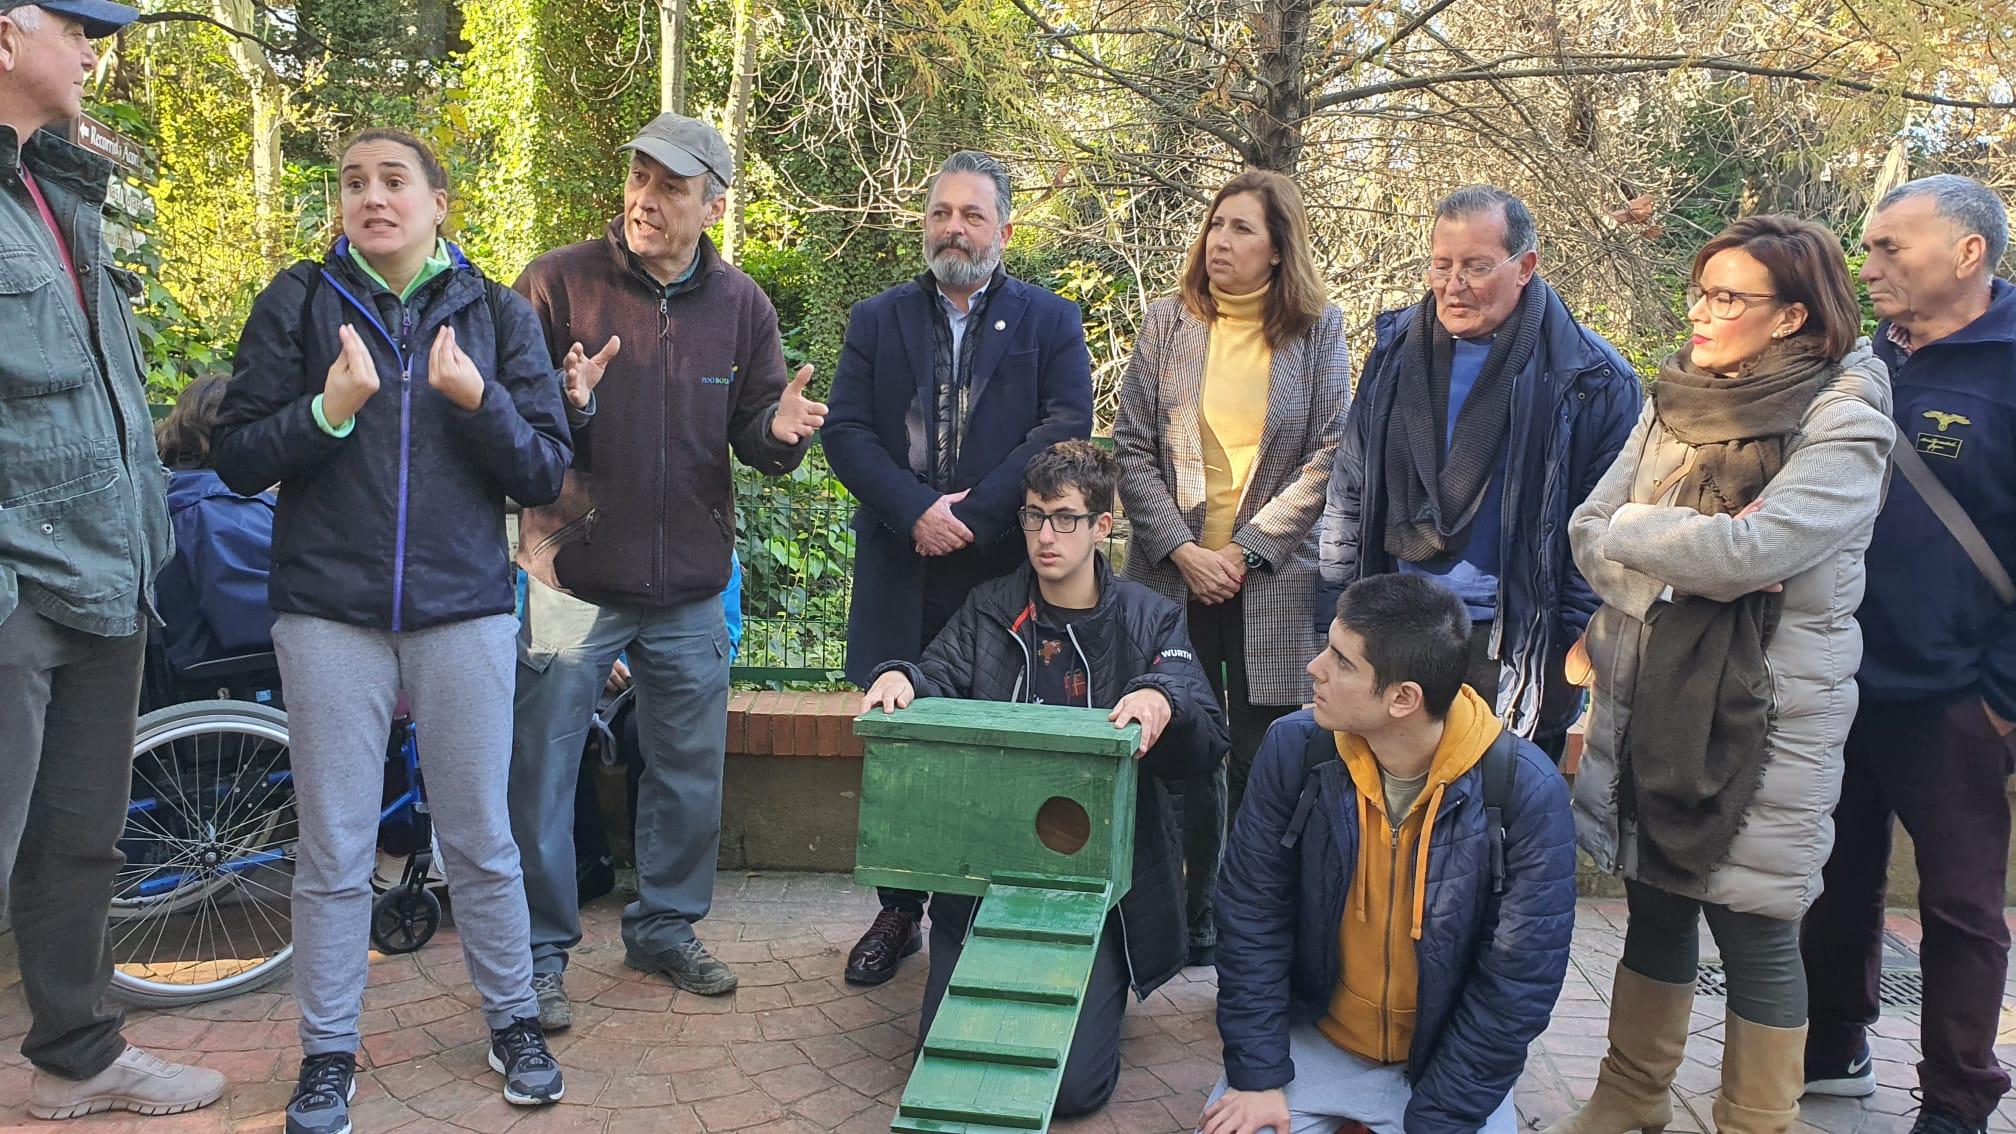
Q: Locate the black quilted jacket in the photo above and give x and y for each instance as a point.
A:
(1134, 639)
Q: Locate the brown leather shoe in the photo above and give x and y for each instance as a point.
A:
(895, 935)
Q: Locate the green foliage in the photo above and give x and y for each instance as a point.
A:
(548, 91)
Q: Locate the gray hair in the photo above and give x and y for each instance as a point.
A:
(1971, 206)
(987, 166)
(716, 188)
(1476, 200)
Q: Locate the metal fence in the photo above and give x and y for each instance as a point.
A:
(798, 572)
(797, 552)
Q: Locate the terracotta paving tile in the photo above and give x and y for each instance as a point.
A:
(798, 1051)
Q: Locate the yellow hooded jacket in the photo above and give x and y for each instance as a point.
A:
(1372, 1011)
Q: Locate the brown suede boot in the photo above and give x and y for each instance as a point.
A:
(1763, 1072)
(1648, 1038)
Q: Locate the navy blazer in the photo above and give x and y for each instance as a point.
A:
(1031, 388)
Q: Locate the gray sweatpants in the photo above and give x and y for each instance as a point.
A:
(679, 660)
(341, 683)
(1333, 1086)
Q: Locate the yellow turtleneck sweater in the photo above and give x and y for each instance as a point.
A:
(1234, 408)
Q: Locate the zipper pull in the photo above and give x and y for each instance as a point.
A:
(664, 317)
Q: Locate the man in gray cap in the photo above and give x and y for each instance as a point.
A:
(83, 528)
(672, 361)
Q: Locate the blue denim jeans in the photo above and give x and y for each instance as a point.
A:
(679, 661)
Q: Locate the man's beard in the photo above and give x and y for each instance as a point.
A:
(960, 271)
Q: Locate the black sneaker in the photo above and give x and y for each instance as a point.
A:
(322, 1094)
(1855, 1079)
(1936, 1119)
(555, 1014)
(531, 1074)
(690, 966)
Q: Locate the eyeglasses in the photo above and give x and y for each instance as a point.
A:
(1469, 277)
(1726, 304)
(1063, 523)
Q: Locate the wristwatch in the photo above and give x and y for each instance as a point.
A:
(1253, 560)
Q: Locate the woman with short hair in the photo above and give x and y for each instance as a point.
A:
(1726, 543)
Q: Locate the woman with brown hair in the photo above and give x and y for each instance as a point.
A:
(1726, 543)
(398, 397)
(1228, 420)
(212, 595)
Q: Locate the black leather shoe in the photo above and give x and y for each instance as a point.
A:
(895, 935)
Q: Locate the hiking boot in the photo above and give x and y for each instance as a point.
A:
(531, 1074)
(555, 1014)
(1936, 1119)
(895, 935)
(1855, 1079)
(322, 1094)
(136, 1081)
(690, 966)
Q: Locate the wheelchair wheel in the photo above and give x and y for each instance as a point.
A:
(404, 918)
(203, 907)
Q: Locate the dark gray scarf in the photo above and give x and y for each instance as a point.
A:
(1431, 500)
(1695, 751)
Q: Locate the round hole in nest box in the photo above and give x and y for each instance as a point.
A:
(1062, 825)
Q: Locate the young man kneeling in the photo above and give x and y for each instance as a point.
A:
(1064, 630)
(1398, 893)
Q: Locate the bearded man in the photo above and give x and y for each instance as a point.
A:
(947, 385)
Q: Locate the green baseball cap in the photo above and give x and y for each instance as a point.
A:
(686, 146)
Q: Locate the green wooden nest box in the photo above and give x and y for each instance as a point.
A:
(955, 793)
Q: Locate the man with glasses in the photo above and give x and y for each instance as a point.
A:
(1064, 630)
(947, 385)
(1484, 415)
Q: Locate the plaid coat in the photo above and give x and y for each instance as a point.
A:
(1157, 434)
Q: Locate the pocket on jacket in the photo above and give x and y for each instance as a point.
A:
(31, 311)
(71, 539)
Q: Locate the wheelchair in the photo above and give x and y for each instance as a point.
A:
(203, 907)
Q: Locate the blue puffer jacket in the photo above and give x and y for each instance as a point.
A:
(1573, 408)
(212, 595)
(1491, 964)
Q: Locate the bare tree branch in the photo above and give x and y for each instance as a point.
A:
(1642, 65)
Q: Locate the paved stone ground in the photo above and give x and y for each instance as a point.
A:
(796, 1051)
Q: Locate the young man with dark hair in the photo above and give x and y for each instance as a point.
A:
(1398, 894)
(1063, 630)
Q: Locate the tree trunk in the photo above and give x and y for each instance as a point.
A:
(1274, 127)
(269, 112)
(672, 55)
(739, 89)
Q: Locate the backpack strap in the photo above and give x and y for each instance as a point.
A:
(1321, 750)
(1500, 763)
(312, 288)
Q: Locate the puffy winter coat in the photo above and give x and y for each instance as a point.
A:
(1491, 964)
(1631, 544)
(1572, 408)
